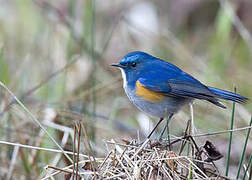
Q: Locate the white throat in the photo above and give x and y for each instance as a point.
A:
(124, 78)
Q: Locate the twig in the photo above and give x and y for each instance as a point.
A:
(141, 148)
(78, 148)
(39, 148)
(101, 165)
(92, 161)
(59, 169)
(74, 140)
(221, 132)
(62, 170)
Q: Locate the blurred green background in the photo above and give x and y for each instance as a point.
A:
(55, 56)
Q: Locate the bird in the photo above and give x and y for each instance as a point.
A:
(160, 89)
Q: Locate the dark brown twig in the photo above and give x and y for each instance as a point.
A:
(78, 148)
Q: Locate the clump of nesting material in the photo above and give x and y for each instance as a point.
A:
(153, 160)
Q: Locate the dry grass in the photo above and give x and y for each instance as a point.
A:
(151, 160)
(146, 160)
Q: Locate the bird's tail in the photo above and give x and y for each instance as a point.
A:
(228, 95)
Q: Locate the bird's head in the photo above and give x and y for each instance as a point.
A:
(132, 65)
(134, 61)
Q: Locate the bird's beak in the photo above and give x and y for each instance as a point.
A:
(117, 65)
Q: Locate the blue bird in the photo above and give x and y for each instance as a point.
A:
(160, 88)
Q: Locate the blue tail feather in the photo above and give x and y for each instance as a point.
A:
(227, 95)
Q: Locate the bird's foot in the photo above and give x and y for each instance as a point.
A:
(143, 143)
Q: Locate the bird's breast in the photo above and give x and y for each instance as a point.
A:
(153, 103)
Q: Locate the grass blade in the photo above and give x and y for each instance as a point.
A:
(230, 139)
(249, 162)
(36, 120)
(244, 149)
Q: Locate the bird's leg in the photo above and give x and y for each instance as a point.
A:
(186, 137)
(160, 120)
(153, 130)
(162, 133)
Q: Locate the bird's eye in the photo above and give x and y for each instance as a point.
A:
(133, 64)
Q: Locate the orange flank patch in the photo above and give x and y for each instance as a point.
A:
(148, 94)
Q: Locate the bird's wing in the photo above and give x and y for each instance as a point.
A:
(172, 82)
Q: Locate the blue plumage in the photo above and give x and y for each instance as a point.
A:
(176, 87)
(228, 95)
(160, 76)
